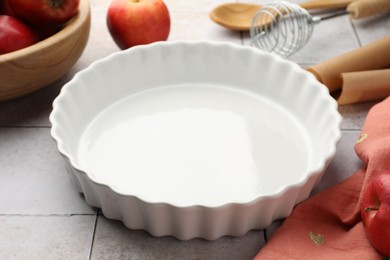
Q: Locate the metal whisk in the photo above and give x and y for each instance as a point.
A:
(283, 28)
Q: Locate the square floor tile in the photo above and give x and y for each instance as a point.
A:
(114, 241)
(46, 237)
(354, 115)
(372, 28)
(198, 26)
(33, 175)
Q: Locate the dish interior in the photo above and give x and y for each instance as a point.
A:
(195, 144)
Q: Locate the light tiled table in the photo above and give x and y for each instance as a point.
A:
(43, 217)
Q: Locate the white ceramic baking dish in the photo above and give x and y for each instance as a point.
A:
(195, 139)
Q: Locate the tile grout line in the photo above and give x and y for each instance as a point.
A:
(350, 130)
(355, 32)
(25, 126)
(46, 215)
(93, 235)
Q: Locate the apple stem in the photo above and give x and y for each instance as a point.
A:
(57, 3)
(370, 209)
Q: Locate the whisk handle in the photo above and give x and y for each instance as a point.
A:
(365, 8)
(326, 4)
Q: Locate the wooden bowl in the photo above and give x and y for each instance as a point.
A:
(36, 66)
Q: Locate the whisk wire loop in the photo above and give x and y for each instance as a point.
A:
(282, 28)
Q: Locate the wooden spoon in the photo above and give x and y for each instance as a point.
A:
(238, 16)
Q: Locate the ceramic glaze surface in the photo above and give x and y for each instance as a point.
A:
(195, 139)
(210, 144)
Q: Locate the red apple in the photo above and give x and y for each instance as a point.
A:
(375, 211)
(14, 34)
(5, 8)
(43, 11)
(135, 22)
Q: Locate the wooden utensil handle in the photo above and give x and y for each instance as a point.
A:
(365, 8)
(326, 4)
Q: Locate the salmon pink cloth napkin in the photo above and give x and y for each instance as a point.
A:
(329, 225)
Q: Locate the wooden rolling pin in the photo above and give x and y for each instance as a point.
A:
(373, 56)
(326, 4)
(360, 86)
(365, 8)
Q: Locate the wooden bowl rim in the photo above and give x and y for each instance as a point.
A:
(78, 20)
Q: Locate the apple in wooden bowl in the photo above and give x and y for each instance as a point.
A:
(36, 66)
